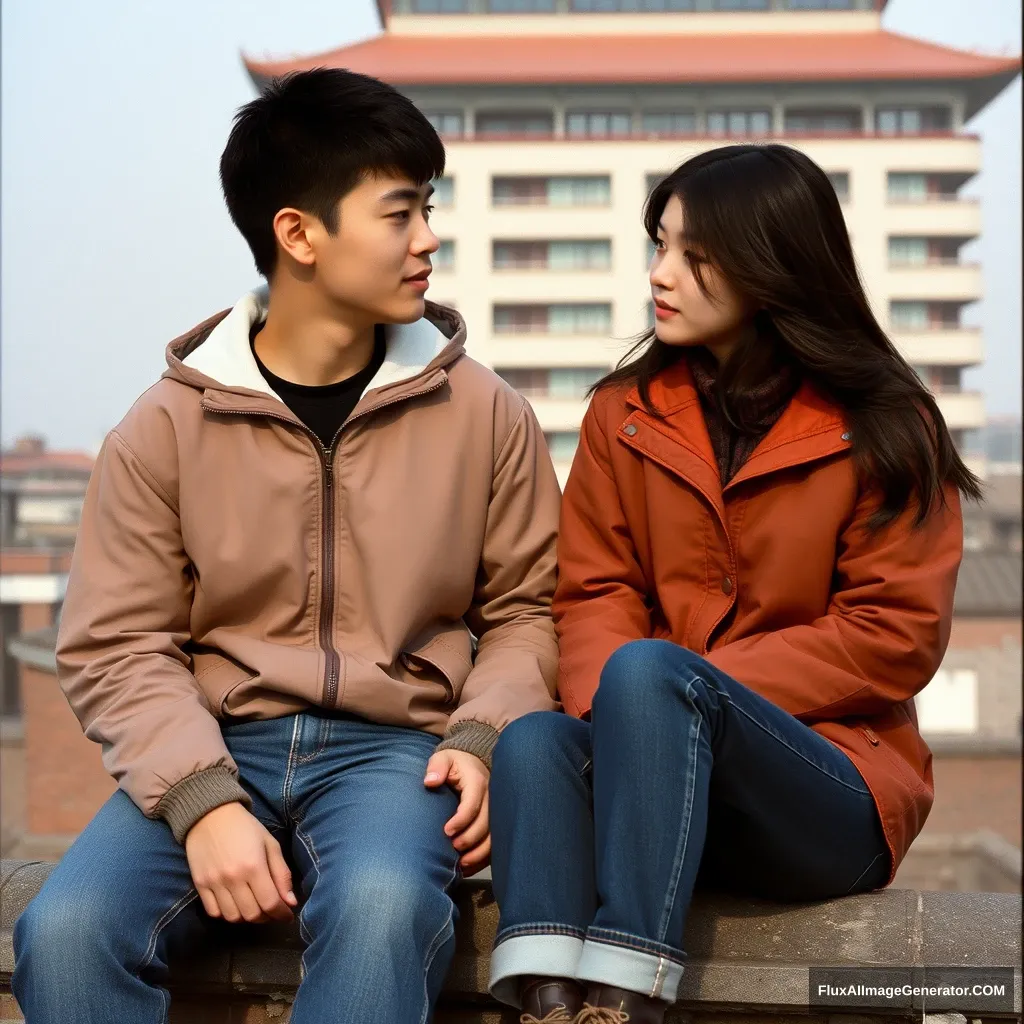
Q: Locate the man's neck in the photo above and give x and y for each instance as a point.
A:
(305, 341)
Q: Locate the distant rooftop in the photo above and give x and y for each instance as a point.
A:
(424, 60)
(29, 456)
(989, 585)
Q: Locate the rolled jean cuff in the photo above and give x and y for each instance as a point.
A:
(621, 960)
(544, 954)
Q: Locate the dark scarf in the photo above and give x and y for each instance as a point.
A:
(760, 408)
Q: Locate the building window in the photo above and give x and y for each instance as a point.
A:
(570, 383)
(444, 192)
(670, 123)
(823, 122)
(558, 318)
(739, 123)
(924, 316)
(940, 380)
(444, 258)
(841, 183)
(630, 6)
(590, 254)
(440, 6)
(595, 190)
(520, 6)
(949, 703)
(598, 124)
(912, 120)
(562, 444)
(825, 5)
(10, 685)
(518, 124)
(447, 123)
(908, 252)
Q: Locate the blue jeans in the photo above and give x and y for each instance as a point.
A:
(599, 830)
(345, 798)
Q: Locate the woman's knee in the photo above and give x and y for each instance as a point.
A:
(643, 676)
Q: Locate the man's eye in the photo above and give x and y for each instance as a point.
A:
(401, 215)
(427, 211)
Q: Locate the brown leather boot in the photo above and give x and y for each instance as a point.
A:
(606, 1004)
(550, 1000)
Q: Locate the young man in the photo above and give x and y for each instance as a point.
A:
(323, 541)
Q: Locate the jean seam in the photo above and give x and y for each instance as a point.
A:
(436, 942)
(623, 940)
(323, 730)
(289, 771)
(531, 930)
(874, 861)
(168, 916)
(694, 677)
(682, 843)
(304, 932)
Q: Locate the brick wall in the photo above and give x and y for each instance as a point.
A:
(65, 780)
(973, 793)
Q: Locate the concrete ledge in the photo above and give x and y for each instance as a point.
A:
(748, 957)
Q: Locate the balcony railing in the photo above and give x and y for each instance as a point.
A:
(933, 261)
(932, 197)
(642, 136)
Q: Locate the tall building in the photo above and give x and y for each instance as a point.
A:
(558, 115)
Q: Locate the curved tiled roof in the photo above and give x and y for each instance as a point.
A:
(664, 59)
(989, 585)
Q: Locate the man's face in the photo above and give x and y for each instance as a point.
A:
(377, 260)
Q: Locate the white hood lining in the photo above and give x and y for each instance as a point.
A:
(226, 355)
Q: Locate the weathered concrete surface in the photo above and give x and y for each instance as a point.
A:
(749, 959)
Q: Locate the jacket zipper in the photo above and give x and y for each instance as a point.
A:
(332, 667)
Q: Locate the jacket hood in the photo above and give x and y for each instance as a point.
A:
(217, 354)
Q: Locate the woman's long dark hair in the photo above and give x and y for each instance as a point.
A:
(767, 218)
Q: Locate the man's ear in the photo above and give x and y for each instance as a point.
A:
(292, 231)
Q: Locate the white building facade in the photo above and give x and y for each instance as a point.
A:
(558, 115)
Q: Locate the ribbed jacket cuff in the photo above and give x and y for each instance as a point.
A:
(473, 737)
(198, 794)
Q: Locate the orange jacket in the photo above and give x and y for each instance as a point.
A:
(775, 579)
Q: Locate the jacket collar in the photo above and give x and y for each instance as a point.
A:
(217, 357)
(809, 428)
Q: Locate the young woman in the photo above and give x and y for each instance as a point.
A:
(759, 545)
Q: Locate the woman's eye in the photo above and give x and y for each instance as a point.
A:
(659, 244)
(693, 258)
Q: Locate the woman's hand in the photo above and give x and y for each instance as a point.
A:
(469, 828)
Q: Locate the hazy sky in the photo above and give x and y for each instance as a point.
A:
(114, 236)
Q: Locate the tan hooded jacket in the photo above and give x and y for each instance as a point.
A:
(227, 564)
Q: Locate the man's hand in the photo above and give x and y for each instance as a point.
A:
(469, 828)
(238, 868)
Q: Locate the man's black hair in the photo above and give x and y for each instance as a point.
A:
(309, 139)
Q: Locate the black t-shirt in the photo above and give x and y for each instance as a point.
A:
(324, 408)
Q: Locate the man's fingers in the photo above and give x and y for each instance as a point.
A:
(248, 905)
(438, 768)
(228, 910)
(271, 902)
(475, 832)
(469, 806)
(279, 872)
(476, 859)
(210, 904)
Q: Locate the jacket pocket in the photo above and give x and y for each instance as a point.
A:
(445, 656)
(216, 676)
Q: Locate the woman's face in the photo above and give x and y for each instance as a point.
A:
(685, 314)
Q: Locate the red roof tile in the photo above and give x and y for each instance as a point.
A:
(521, 60)
(18, 464)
